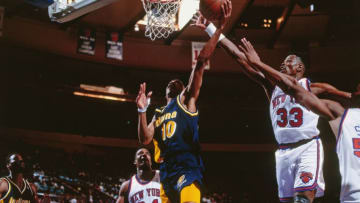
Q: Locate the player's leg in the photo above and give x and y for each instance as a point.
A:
(190, 193)
(308, 176)
(284, 175)
(304, 197)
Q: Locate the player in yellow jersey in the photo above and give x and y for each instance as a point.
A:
(14, 187)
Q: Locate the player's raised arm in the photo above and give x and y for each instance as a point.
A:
(254, 74)
(329, 91)
(145, 130)
(284, 81)
(191, 92)
(290, 85)
(123, 192)
(325, 108)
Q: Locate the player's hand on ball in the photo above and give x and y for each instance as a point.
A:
(226, 8)
(142, 98)
(249, 51)
(198, 20)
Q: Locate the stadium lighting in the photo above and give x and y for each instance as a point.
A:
(63, 11)
(136, 28)
(113, 98)
(107, 93)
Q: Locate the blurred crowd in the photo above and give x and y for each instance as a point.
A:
(80, 177)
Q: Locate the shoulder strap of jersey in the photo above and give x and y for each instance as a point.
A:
(178, 101)
(341, 124)
(9, 188)
(306, 82)
(160, 110)
(129, 189)
(28, 184)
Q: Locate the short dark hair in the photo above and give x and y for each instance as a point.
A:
(179, 86)
(141, 147)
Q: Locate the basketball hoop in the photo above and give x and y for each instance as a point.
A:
(161, 17)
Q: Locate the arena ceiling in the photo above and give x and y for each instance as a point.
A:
(324, 20)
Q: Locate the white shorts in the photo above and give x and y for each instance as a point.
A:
(300, 169)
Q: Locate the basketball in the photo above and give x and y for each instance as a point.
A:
(211, 9)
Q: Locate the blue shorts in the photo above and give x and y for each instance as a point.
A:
(174, 184)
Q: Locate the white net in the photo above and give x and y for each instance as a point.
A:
(161, 17)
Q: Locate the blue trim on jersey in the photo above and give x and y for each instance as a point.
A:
(285, 199)
(308, 84)
(142, 182)
(341, 125)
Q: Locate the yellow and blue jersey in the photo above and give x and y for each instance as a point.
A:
(177, 146)
(16, 194)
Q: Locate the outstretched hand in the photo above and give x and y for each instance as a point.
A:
(142, 98)
(249, 51)
(198, 20)
(226, 8)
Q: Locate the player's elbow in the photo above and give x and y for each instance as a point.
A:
(144, 140)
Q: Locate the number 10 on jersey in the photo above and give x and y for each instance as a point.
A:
(168, 130)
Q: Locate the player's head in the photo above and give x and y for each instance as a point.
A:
(143, 159)
(15, 163)
(174, 88)
(293, 65)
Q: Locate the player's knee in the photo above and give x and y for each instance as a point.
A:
(301, 199)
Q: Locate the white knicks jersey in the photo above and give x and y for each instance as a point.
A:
(291, 121)
(348, 151)
(144, 192)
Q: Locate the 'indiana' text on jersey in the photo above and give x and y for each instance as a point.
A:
(176, 131)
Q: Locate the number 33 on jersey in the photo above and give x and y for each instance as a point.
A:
(176, 130)
(291, 121)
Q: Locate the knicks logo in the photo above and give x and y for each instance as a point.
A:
(306, 177)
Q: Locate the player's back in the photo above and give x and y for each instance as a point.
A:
(16, 194)
(144, 192)
(176, 137)
(291, 121)
(348, 150)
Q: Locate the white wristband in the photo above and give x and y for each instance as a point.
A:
(145, 108)
(211, 29)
